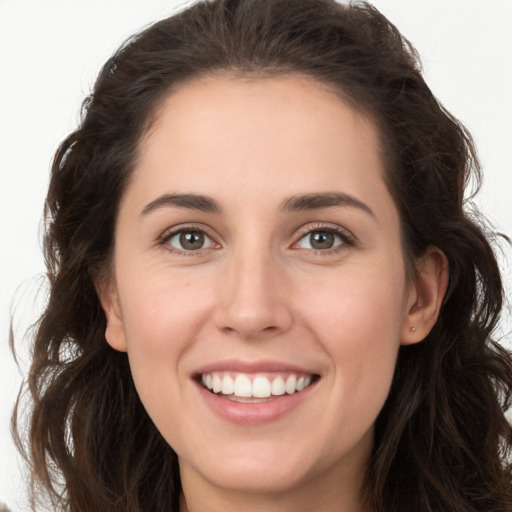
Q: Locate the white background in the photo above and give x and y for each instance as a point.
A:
(50, 53)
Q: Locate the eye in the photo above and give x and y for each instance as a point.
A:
(189, 240)
(322, 240)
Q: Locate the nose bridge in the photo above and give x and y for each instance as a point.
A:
(252, 300)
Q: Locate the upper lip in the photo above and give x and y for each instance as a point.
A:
(241, 366)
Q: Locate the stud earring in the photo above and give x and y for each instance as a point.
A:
(413, 329)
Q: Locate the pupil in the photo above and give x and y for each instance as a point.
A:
(192, 240)
(322, 240)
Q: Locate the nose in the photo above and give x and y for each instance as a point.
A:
(253, 300)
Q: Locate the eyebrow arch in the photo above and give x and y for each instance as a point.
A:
(189, 201)
(320, 200)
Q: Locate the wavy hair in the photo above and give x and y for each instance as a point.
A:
(442, 442)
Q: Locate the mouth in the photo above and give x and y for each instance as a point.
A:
(255, 387)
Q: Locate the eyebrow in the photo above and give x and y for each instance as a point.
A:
(299, 202)
(317, 201)
(189, 201)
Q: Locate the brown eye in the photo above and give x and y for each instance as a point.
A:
(321, 240)
(189, 241)
(192, 241)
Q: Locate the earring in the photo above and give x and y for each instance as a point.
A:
(413, 329)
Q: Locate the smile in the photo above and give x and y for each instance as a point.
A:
(254, 393)
(237, 386)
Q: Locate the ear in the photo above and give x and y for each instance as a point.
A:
(114, 333)
(425, 296)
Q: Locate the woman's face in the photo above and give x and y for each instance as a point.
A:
(258, 251)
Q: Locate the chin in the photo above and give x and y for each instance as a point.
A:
(248, 478)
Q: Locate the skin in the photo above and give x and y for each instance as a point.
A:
(257, 290)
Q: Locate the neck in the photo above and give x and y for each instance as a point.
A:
(333, 499)
(274, 503)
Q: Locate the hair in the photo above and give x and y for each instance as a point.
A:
(442, 441)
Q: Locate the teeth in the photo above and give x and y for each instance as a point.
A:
(216, 383)
(290, 384)
(278, 387)
(243, 386)
(228, 385)
(259, 387)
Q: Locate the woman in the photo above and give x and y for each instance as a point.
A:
(265, 292)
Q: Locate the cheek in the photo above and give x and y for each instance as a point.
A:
(358, 321)
(160, 309)
(359, 307)
(161, 317)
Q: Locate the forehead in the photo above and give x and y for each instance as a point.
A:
(259, 137)
(290, 106)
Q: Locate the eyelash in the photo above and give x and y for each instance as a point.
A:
(167, 236)
(346, 238)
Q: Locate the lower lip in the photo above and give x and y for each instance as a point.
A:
(254, 413)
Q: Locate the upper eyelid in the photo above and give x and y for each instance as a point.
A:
(167, 235)
(348, 240)
(327, 226)
(297, 234)
(180, 228)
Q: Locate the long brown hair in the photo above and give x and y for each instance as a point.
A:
(442, 441)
